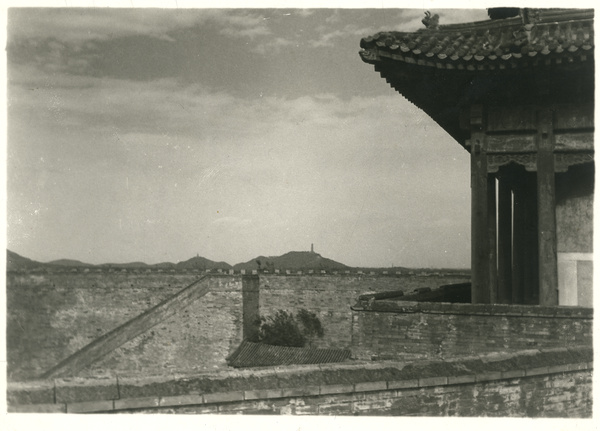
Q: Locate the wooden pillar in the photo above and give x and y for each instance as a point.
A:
(546, 201)
(479, 211)
(492, 254)
(530, 245)
(504, 242)
(519, 216)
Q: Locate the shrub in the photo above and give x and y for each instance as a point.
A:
(310, 324)
(282, 329)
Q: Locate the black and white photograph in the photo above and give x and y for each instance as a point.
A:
(291, 210)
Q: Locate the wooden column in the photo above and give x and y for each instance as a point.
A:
(519, 213)
(492, 255)
(530, 245)
(504, 242)
(479, 211)
(546, 201)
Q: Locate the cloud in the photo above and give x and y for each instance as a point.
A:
(232, 222)
(76, 26)
(79, 25)
(273, 46)
(206, 163)
(241, 24)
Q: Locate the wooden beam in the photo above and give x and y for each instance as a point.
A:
(546, 201)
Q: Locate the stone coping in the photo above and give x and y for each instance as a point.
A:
(508, 310)
(119, 393)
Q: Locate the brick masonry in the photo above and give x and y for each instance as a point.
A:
(52, 316)
(409, 330)
(331, 297)
(513, 385)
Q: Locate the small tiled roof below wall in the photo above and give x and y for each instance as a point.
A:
(262, 355)
(555, 36)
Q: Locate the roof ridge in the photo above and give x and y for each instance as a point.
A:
(546, 16)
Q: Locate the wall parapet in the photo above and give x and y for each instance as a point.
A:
(508, 310)
(215, 391)
(283, 272)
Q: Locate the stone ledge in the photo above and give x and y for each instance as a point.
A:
(403, 384)
(90, 407)
(433, 381)
(335, 389)
(78, 390)
(136, 403)
(237, 396)
(31, 392)
(488, 376)
(181, 400)
(297, 382)
(536, 371)
(504, 310)
(513, 374)
(38, 408)
(370, 386)
(301, 392)
(222, 397)
(458, 380)
(263, 393)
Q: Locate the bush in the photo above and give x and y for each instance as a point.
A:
(282, 329)
(310, 324)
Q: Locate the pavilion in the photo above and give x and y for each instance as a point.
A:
(517, 92)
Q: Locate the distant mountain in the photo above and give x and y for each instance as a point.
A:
(163, 265)
(294, 260)
(16, 262)
(68, 262)
(202, 263)
(125, 265)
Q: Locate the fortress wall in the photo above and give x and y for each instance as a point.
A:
(51, 316)
(409, 330)
(331, 296)
(196, 338)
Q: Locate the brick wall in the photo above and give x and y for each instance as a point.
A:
(410, 330)
(52, 316)
(534, 383)
(331, 296)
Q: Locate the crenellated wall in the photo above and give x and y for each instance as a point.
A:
(52, 316)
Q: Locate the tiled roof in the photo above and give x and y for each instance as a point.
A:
(250, 355)
(554, 36)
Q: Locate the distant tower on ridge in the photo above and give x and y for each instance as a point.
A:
(312, 248)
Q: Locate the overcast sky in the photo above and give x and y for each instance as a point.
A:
(156, 135)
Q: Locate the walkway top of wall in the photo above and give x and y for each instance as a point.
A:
(540, 56)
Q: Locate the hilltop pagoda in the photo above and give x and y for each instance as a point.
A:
(517, 92)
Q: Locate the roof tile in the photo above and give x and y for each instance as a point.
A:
(249, 355)
(492, 42)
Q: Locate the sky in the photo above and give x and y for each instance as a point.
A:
(160, 134)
